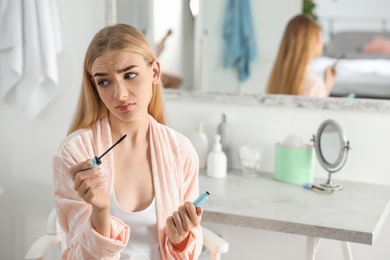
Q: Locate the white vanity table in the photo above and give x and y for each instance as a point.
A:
(355, 214)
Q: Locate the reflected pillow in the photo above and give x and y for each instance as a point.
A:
(377, 45)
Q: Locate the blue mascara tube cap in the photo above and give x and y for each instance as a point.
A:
(201, 199)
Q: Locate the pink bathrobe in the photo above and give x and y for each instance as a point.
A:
(175, 176)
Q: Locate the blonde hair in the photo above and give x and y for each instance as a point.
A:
(90, 107)
(295, 51)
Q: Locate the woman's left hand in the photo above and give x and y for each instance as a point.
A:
(330, 74)
(181, 223)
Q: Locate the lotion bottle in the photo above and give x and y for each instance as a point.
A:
(223, 130)
(201, 145)
(216, 160)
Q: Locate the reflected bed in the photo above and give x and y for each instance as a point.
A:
(362, 71)
(367, 78)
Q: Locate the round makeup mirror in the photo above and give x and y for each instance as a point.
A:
(332, 148)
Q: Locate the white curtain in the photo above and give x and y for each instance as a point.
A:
(29, 44)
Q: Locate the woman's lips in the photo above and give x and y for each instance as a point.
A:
(125, 107)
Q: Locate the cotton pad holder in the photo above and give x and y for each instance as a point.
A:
(294, 164)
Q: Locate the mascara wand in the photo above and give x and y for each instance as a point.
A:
(96, 160)
(342, 56)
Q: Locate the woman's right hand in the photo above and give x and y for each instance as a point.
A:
(90, 185)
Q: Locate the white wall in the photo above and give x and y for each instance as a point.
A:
(27, 148)
(367, 132)
(355, 15)
(353, 8)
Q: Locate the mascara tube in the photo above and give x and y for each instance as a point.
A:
(201, 199)
(317, 188)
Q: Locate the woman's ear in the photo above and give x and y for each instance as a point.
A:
(156, 71)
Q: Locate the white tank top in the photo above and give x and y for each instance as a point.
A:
(143, 241)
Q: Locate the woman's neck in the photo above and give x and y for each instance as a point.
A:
(136, 130)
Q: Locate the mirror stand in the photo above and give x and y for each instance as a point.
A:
(331, 185)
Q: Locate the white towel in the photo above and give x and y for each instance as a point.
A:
(11, 45)
(29, 57)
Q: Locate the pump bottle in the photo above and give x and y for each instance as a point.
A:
(216, 160)
(201, 145)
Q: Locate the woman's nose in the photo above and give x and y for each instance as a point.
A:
(120, 92)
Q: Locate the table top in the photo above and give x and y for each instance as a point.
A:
(354, 214)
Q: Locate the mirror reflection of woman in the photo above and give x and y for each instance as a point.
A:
(290, 75)
(138, 203)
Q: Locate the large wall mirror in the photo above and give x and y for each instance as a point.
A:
(193, 51)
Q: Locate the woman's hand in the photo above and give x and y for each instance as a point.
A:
(329, 74)
(181, 223)
(91, 187)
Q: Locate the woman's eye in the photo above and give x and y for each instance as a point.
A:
(130, 75)
(103, 83)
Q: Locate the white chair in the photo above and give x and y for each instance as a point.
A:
(55, 235)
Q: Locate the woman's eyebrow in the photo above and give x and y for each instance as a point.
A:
(127, 68)
(102, 74)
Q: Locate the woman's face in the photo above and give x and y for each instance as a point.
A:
(124, 82)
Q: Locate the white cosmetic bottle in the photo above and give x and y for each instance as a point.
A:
(216, 160)
(201, 145)
(223, 130)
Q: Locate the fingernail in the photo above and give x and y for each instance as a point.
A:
(89, 163)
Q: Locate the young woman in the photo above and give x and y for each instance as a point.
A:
(301, 42)
(137, 204)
